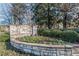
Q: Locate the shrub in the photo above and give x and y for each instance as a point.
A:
(77, 30)
(44, 32)
(40, 31)
(69, 36)
(50, 32)
(74, 29)
(56, 33)
(66, 35)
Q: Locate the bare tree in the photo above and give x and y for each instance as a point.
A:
(17, 13)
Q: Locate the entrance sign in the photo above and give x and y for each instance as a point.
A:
(22, 30)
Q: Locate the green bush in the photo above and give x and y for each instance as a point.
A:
(77, 30)
(56, 33)
(40, 31)
(50, 32)
(4, 37)
(70, 36)
(66, 35)
(74, 29)
(44, 32)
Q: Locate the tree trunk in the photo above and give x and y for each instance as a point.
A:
(49, 20)
(65, 21)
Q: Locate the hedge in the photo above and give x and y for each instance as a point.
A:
(50, 33)
(66, 35)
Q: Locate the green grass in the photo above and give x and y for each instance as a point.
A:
(4, 36)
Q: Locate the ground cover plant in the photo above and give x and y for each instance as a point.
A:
(41, 40)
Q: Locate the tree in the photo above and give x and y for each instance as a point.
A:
(18, 12)
(66, 8)
(44, 16)
(40, 15)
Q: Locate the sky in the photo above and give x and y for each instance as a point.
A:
(3, 12)
(0, 13)
(1, 16)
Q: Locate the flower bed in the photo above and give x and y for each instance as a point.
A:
(42, 49)
(41, 40)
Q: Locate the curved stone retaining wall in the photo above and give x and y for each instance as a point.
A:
(42, 49)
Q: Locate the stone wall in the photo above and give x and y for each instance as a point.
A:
(42, 49)
(37, 49)
(22, 30)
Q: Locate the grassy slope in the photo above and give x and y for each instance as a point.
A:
(6, 49)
